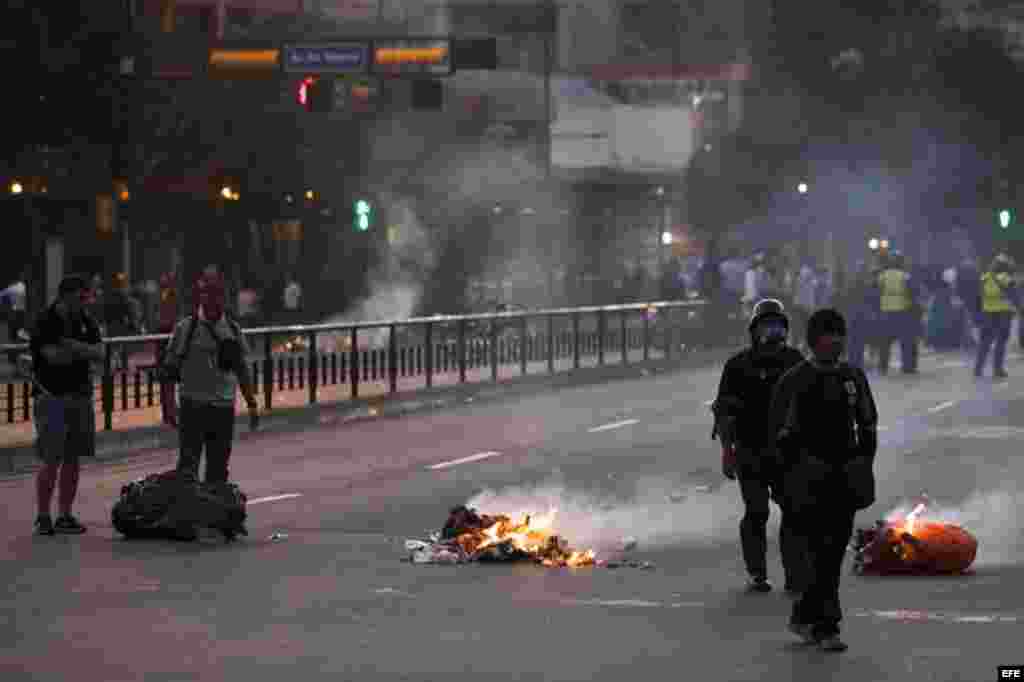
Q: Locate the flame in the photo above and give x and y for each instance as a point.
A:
(533, 535)
(911, 519)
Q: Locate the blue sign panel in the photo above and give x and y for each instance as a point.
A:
(326, 58)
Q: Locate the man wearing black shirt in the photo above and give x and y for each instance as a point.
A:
(827, 434)
(65, 341)
(747, 435)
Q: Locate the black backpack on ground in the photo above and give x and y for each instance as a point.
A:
(159, 504)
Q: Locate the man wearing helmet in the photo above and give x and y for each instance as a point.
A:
(748, 439)
(999, 303)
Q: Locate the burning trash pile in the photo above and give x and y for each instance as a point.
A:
(909, 544)
(468, 536)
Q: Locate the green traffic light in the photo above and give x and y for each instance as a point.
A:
(1005, 218)
(363, 212)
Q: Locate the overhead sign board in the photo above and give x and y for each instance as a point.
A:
(412, 56)
(332, 57)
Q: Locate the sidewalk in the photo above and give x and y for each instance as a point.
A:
(141, 428)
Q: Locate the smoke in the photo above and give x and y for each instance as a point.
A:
(396, 283)
(657, 514)
(993, 517)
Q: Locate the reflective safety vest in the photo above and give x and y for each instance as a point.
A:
(895, 290)
(993, 292)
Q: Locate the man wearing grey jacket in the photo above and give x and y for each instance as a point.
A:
(210, 350)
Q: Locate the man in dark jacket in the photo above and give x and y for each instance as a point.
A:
(827, 436)
(748, 439)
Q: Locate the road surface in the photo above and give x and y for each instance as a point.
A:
(332, 599)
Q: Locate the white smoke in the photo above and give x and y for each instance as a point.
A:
(396, 284)
(657, 514)
(993, 517)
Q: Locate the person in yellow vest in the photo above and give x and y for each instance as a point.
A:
(898, 307)
(999, 303)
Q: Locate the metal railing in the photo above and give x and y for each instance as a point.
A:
(336, 362)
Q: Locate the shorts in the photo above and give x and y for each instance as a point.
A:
(65, 428)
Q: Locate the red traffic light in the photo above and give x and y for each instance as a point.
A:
(302, 94)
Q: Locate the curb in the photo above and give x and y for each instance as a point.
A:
(119, 445)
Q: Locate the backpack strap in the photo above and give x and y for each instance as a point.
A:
(193, 322)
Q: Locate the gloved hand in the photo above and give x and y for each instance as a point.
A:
(729, 462)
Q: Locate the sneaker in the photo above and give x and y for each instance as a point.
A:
(832, 643)
(68, 525)
(44, 525)
(804, 632)
(758, 583)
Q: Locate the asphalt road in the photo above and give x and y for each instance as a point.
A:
(332, 598)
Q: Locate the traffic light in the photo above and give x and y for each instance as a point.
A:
(1005, 218)
(319, 95)
(362, 215)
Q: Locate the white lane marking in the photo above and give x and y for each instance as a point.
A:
(463, 460)
(953, 363)
(942, 406)
(635, 603)
(884, 427)
(613, 425)
(909, 616)
(709, 403)
(274, 498)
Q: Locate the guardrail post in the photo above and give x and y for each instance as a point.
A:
(647, 334)
(314, 368)
(601, 331)
(462, 350)
(551, 343)
(108, 388)
(428, 343)
(268, 371)
(575, 340)
(623, 339)
(522, 345)
(353, 362)
(393, 358)
(494, 349)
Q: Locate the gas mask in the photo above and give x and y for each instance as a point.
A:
(770, 335)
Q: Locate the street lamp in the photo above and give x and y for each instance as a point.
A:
(667, 238)
(873, 244)
(802, 188)
(17, 188)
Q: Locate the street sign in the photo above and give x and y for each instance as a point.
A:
(412, 57)
(333, 57)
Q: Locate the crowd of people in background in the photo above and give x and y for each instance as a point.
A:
(939, 306)
(887, 300)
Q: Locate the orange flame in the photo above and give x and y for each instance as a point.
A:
(533, 535)
(911, 518)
